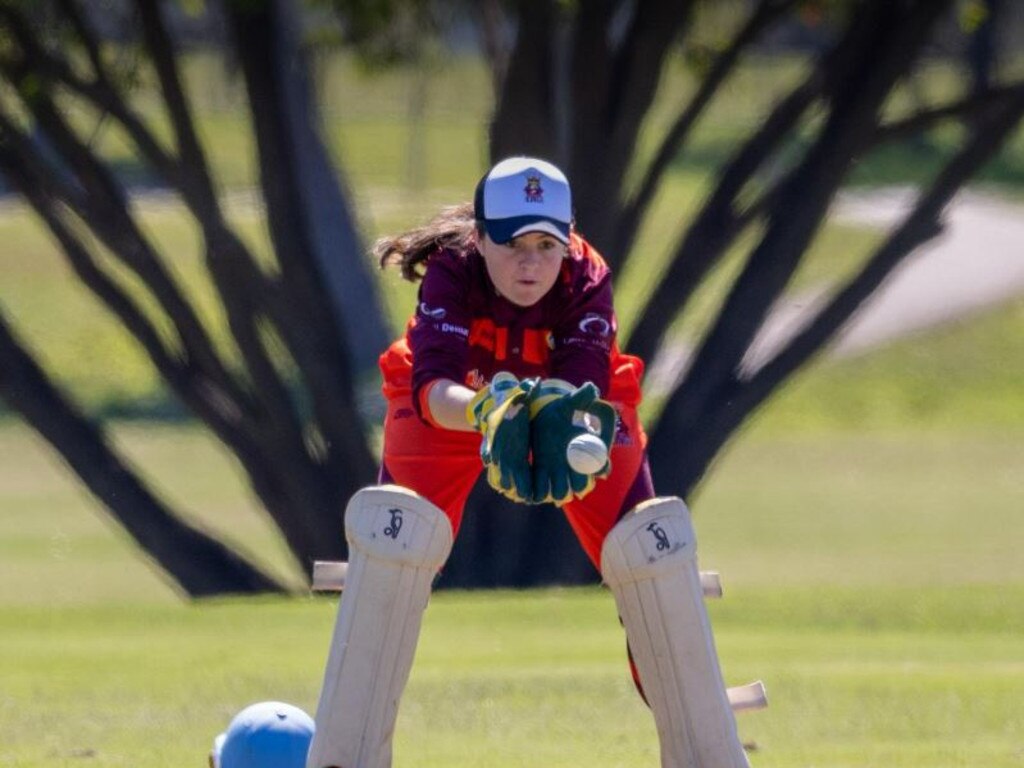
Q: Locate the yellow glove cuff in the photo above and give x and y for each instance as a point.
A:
(547, 391)
(489, 398)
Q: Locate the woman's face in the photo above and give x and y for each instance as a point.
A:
(525, 268)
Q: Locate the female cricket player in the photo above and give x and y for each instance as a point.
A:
(510, 355)
(508, 287)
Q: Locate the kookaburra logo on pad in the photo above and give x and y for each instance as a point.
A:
(660, 536)
(395, 525)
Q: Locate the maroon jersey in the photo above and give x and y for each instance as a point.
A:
(464, 331)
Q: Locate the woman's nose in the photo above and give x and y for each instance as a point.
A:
(529, 256)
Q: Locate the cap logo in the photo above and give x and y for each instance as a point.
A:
(534, 191)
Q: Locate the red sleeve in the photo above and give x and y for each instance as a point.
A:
(585, 332)
(439, 333)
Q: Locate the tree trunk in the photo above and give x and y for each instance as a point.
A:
(322, 268)
(983, 49)
(198, 563)
(705, 410)
(523, 121)
(323, 199)
(506, 545)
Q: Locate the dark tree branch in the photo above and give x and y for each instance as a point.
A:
(104, 209)
(590, 66)
(722, 219)
(85, 34)
(230, 261)
(892, 41)
(287, 472)
(995, 124)
(490, 18)
(275, 439)
(766, 13)
(717, 224)
(298, 304)
(201, 394)
(100, 92)
(200, 564)
(922, 224)
(524, 118)
(892, 37)
(922, 120)
(241, 288)
(637, 66)
(279, 477)
(195, 169)
(231, 266)
(273, 436)
(897, 130)
(612, 90)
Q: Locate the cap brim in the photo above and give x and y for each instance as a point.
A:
(503, 230)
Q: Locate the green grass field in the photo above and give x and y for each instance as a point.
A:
(517, 679)
(874, 581)
(867, 525)
(873, 572)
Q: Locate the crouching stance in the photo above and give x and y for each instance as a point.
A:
(397, 543)
(649, 562)
(509, 360)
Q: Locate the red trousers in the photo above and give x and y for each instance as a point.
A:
(442, 465)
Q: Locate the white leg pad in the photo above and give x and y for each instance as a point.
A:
(397, 543)
(649, 560)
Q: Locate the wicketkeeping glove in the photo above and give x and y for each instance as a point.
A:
(553, 405)
(498, 412)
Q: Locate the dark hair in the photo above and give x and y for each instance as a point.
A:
(452, 228)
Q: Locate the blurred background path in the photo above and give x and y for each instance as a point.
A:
(976, 263)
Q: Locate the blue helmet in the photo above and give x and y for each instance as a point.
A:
(270, 734)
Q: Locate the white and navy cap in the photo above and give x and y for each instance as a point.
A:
(270, 734)
(524, 194)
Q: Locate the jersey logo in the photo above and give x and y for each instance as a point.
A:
(436, 312)
(595, 324)
(534, 191)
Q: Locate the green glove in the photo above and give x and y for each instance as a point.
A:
(554, 406)
(499, 414)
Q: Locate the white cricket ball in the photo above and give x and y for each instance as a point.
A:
(586, 454)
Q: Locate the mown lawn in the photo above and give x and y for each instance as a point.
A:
(873, 581)
(862, 677)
